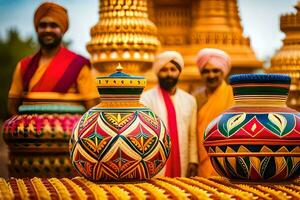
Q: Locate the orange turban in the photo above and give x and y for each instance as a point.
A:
(55, 11)
(216, 57)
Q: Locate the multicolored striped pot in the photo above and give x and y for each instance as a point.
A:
(258, 139)
(38, 140)
(120, 139)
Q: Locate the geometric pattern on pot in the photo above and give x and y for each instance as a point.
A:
(38, 140)
(254, 125)
(255, 146)
(119, 145)
(259, 137)
(42, 126)
(260, 162)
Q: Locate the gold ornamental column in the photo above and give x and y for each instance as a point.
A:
(217, 24)
(190, 25)
(125, 35)
(173, 20)
(287, 59)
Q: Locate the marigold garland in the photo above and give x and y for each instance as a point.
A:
(156, 192)
(160, 188)
(40, 188)
(22, 189)
(174, 190)
(138, 192)
(60, 188)
(243, 187)
(97, 191)
(118, 193)
(278, 194)
(5, 190)
(239, 193)
(81, 194)
(289, 191)
(214, 191)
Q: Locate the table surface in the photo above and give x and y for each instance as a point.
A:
(158, 188)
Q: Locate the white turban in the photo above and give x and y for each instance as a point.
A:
(165, 57)
(216, 57)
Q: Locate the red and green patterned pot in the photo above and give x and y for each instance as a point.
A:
(258, 139)
(38, 140)
(120, 140)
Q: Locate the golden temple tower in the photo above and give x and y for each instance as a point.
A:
(125, 35)
(287, 59)
(190, 25)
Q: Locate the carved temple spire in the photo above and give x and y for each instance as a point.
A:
(125, 35)
(190, 25)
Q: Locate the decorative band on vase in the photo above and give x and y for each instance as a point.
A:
(260, 78)
(50, 108)
(119, 90)
(256, 85)
(120, 83)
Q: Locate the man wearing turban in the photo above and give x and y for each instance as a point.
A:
(54, 72)
(212, 99)
(178, 110)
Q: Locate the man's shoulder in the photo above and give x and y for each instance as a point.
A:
(200, 90)
(186, 95)
(149, 97)
(149, 92)
(85, 60)
(77, 54)
(26, 59)
(200, 93)
(78, 57)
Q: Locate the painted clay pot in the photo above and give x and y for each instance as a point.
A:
(119, 140)
(38, 140)
(258, 139)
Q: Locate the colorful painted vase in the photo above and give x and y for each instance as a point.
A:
(120, 139)
(258, 139)
(38, 140)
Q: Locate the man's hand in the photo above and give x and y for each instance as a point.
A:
(192, 169)
(13, 105)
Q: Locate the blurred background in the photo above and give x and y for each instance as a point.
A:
(260, 20)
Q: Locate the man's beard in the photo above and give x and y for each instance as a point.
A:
(49, 45)
(167, 83)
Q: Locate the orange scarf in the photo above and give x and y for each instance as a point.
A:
(218, 102)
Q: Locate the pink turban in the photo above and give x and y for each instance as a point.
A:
(216, 57)
(53, 10)
(165, 57)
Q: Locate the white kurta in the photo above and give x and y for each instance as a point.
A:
(186, 116)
